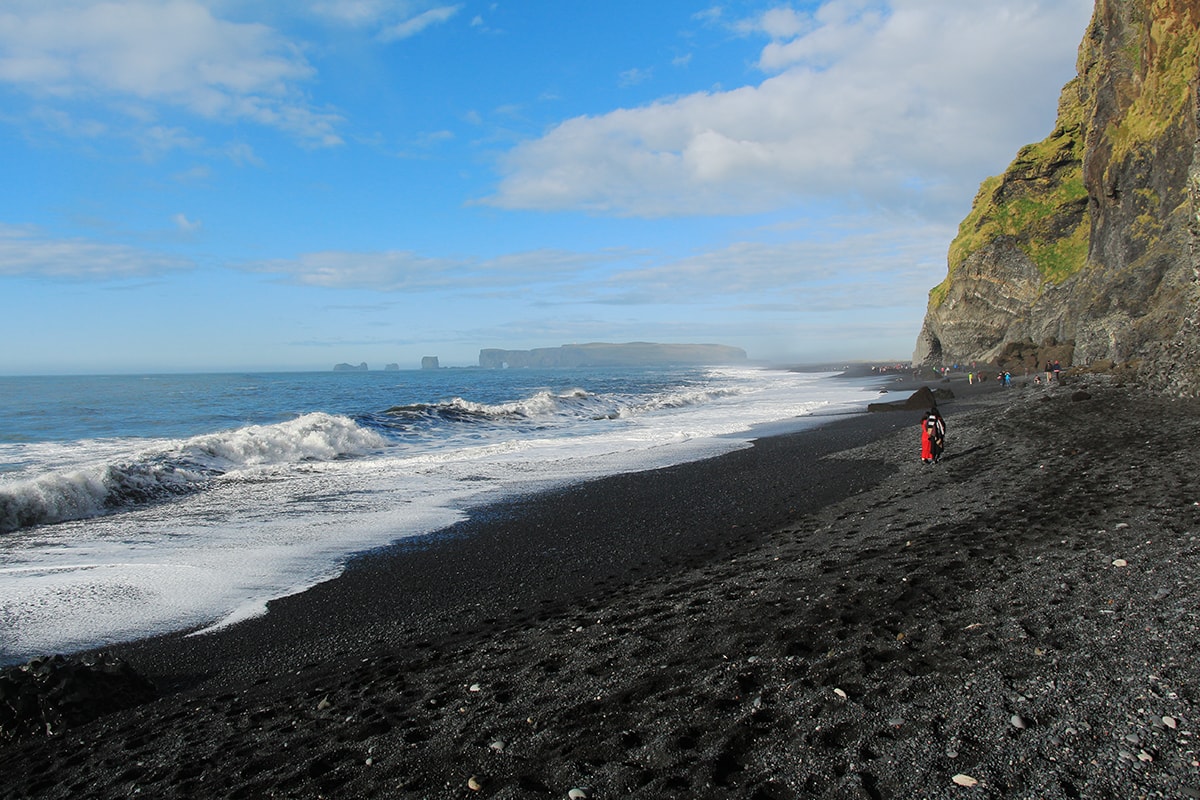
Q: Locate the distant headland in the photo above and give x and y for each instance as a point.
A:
(600, 354)
(594, 354)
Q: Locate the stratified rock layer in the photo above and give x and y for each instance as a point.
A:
(1087, 243)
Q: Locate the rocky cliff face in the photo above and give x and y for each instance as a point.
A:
(1085, 249)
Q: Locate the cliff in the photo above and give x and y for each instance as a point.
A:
(1085, 248)
(597, 354)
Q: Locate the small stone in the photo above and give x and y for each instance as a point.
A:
(1121, 526)
(497, 745)
(840, 693)
(577, 794)
(1017, 722)
(1171, 722)
(1120, 562)
(1144, 756)
(324, 704)
(965, 780)
(475, 783)
(475, 687)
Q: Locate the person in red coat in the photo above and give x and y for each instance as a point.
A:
(933, 436)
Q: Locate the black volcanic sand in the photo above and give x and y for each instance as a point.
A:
(820, 615)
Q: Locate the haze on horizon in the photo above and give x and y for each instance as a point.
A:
(196, 185)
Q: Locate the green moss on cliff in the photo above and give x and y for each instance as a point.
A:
(1168, 62)
(1039, 204)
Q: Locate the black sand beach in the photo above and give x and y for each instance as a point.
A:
(820, 615)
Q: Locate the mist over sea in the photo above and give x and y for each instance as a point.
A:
(137, 505)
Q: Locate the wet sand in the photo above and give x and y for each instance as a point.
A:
(821, 615)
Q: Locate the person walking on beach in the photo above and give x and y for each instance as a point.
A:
(933, 436)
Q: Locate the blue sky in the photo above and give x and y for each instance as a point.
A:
(194, 185)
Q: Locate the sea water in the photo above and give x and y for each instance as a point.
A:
(138, 505)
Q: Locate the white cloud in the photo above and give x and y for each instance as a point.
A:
(907, 103)
(354, 12)
(632, 77)
(174, 54)
(414, 25)
(844, 259)
(394, 271)
(186, 225)
(393, 19)
(27, 250)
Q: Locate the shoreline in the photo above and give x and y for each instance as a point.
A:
(882, 633)
(509, 555)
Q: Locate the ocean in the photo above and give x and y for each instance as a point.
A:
(137, 505)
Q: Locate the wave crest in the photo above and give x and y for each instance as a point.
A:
(539, 405)
(159, 474)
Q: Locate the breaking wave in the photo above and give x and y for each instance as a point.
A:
(545, 406)
(177, 469)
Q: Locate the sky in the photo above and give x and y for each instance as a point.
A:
(217, 185)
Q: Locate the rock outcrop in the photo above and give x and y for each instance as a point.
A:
(343, 367)
(1087, 244)
(430, 362)
(597, 354)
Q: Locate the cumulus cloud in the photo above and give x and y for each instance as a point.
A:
(29, 251)
(175, 53)
(895, 104)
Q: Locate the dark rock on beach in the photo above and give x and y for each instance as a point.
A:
(819, 616)
(920, 400)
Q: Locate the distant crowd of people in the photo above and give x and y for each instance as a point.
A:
(933, 425)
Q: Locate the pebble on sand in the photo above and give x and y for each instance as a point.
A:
(964, 780)
(1120, 562)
